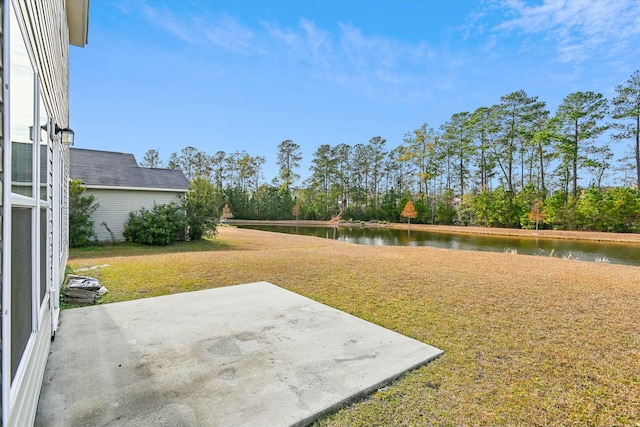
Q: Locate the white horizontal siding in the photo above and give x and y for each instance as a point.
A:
(46, 34)
(43, 27)
(115, 206)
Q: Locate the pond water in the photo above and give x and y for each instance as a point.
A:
(614, 253)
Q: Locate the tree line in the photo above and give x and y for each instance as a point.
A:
(511, 164)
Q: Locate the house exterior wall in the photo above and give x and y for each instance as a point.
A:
(49, 51)
(1, 188)
(115, 205)
(33, 201)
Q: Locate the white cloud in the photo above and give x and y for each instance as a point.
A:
(307, 43)
(169, 22)
(222, 31)
(369, 64)
(319, 43)
(579, 28)
(375, 65)
(383, 60)
(227, 33)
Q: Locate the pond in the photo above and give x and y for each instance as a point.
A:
(615, 253)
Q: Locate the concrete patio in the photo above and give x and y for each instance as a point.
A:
(246, 355)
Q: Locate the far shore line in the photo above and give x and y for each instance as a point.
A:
(633, 238)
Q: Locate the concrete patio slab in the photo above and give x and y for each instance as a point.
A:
(252, 354)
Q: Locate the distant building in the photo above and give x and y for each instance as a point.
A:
(34, 145)
(121, 186)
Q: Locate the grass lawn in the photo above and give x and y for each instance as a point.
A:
(527, 340)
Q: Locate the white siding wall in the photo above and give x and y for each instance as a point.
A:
(115, 206)
(43, 27)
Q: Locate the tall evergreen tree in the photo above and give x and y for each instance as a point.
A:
(323, 167)
(626, 112)
(421, 151)
(193, 162)
(543, 140)
(516, 113)
(289, 157)
(361, 171)
(218, 168)
(342, 155)
(582, 114)
(151, 159)
(457, 137)
(377, 154)
(483, 131)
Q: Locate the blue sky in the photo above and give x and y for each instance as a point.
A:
(246, 75)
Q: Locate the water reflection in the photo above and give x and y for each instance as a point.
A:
(615, 253)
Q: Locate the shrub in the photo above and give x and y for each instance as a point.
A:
(202, 208)
(80, 209)
(159, 226)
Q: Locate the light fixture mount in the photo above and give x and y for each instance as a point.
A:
(66, 134)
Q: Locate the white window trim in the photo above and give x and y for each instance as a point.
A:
(7, 200)
(12, 384)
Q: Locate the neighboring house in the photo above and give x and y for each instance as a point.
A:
(34, 145)
(121, 186)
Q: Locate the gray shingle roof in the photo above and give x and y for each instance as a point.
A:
(107, 168)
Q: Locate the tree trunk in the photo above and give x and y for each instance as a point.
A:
(575, 161)
(461, 176)
(638, 154)
(510, 175)
(542, 183)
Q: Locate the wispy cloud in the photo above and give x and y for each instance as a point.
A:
(169, 22)
(375, 65)
(371, 64)
(222, 31)
(228, 33)
(579, 28)
(306, 43)
(381, 63)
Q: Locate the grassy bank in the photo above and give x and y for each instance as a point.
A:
(527, 340)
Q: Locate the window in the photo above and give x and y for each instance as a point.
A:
(21, 284)
(31, 207)
(22, 113)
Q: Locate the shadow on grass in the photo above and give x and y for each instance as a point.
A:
(125, 249)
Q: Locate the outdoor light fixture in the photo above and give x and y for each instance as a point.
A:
(66, 135)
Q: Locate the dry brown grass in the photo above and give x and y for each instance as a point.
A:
(527, 340)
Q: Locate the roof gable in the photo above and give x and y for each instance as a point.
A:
(111, 169)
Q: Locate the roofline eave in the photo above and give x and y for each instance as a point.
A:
(115, 187)
(78, 22)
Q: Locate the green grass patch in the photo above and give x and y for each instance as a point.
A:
(127, 249)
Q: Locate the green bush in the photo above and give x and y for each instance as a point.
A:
(161, 225)
(202, 208)
(80, 209)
